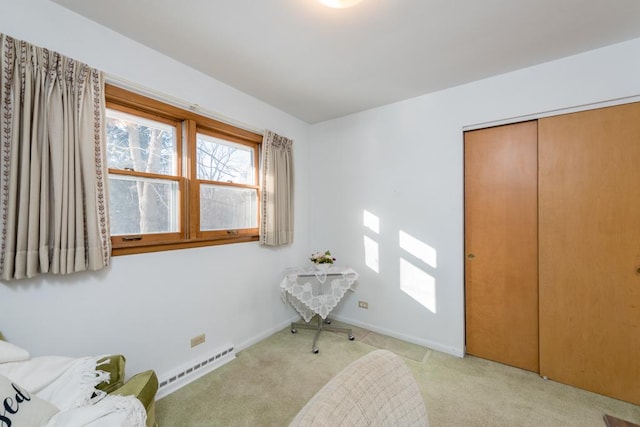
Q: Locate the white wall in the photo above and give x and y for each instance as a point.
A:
(149, 306)
(404, 164)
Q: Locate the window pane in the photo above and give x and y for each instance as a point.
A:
(220, 160)
(139, 205)
(224, 208)
(140, 144)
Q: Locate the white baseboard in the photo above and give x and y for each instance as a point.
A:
(266, 334)
(183, 375)
(454, 351)
(175, 380)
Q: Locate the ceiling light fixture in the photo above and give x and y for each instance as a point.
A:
(340, 4)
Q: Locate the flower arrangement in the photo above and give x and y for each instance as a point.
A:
(322, 258)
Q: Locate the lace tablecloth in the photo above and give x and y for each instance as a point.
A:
(311, 291)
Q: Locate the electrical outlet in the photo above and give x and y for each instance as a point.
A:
(363, 304)
(197, 340)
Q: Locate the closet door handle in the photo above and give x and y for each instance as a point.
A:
(472, 256)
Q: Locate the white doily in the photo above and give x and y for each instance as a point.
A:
(310, 293)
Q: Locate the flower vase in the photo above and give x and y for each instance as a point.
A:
(323, 267)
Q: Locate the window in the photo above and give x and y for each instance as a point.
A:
(177, 179)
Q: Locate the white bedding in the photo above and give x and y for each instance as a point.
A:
(69, 384)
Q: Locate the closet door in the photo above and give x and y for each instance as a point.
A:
(589, 200)
(501, 265)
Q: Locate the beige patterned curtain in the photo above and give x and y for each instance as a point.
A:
(277, 190)
(52, 164)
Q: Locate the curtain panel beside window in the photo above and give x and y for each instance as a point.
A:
(52, 164)
(277, 190)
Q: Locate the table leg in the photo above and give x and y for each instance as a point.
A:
(319, 328)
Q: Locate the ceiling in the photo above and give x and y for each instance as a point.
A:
(318, 63)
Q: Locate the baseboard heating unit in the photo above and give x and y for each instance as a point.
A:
(193, 370)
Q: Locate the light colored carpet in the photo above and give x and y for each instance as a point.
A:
(402, 348)
(268, 383)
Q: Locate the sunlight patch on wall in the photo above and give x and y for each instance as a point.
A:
(371, 221)
(418, 249)
(418, 285)
(371, 258)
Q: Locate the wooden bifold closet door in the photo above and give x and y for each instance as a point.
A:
(501, 264)
(589, 225)
(552, 266)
